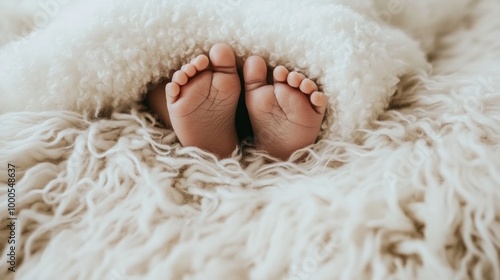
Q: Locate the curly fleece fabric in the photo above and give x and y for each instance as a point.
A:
(96, 56)
(402, 183)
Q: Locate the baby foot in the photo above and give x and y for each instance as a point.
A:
(286, 115)
(202, 100)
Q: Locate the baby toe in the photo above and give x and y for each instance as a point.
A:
(280, 74)
(254, 73)
(172, 91)
(320, 101)
(307, 86)
(201, 62)
(189, 69)
(180, 78)
(294, 79)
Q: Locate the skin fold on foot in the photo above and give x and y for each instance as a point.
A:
(286, 114)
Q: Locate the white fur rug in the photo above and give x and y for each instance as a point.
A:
(403, 183)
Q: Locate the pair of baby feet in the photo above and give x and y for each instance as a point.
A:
(202, 98)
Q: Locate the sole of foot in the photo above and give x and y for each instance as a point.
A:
(286, 115)
(202, 99)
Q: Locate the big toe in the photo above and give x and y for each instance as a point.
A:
(223, 59)
(255, 73)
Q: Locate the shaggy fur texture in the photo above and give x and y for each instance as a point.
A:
(401, 190)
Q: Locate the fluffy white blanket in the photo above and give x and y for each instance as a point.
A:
(402, 184)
